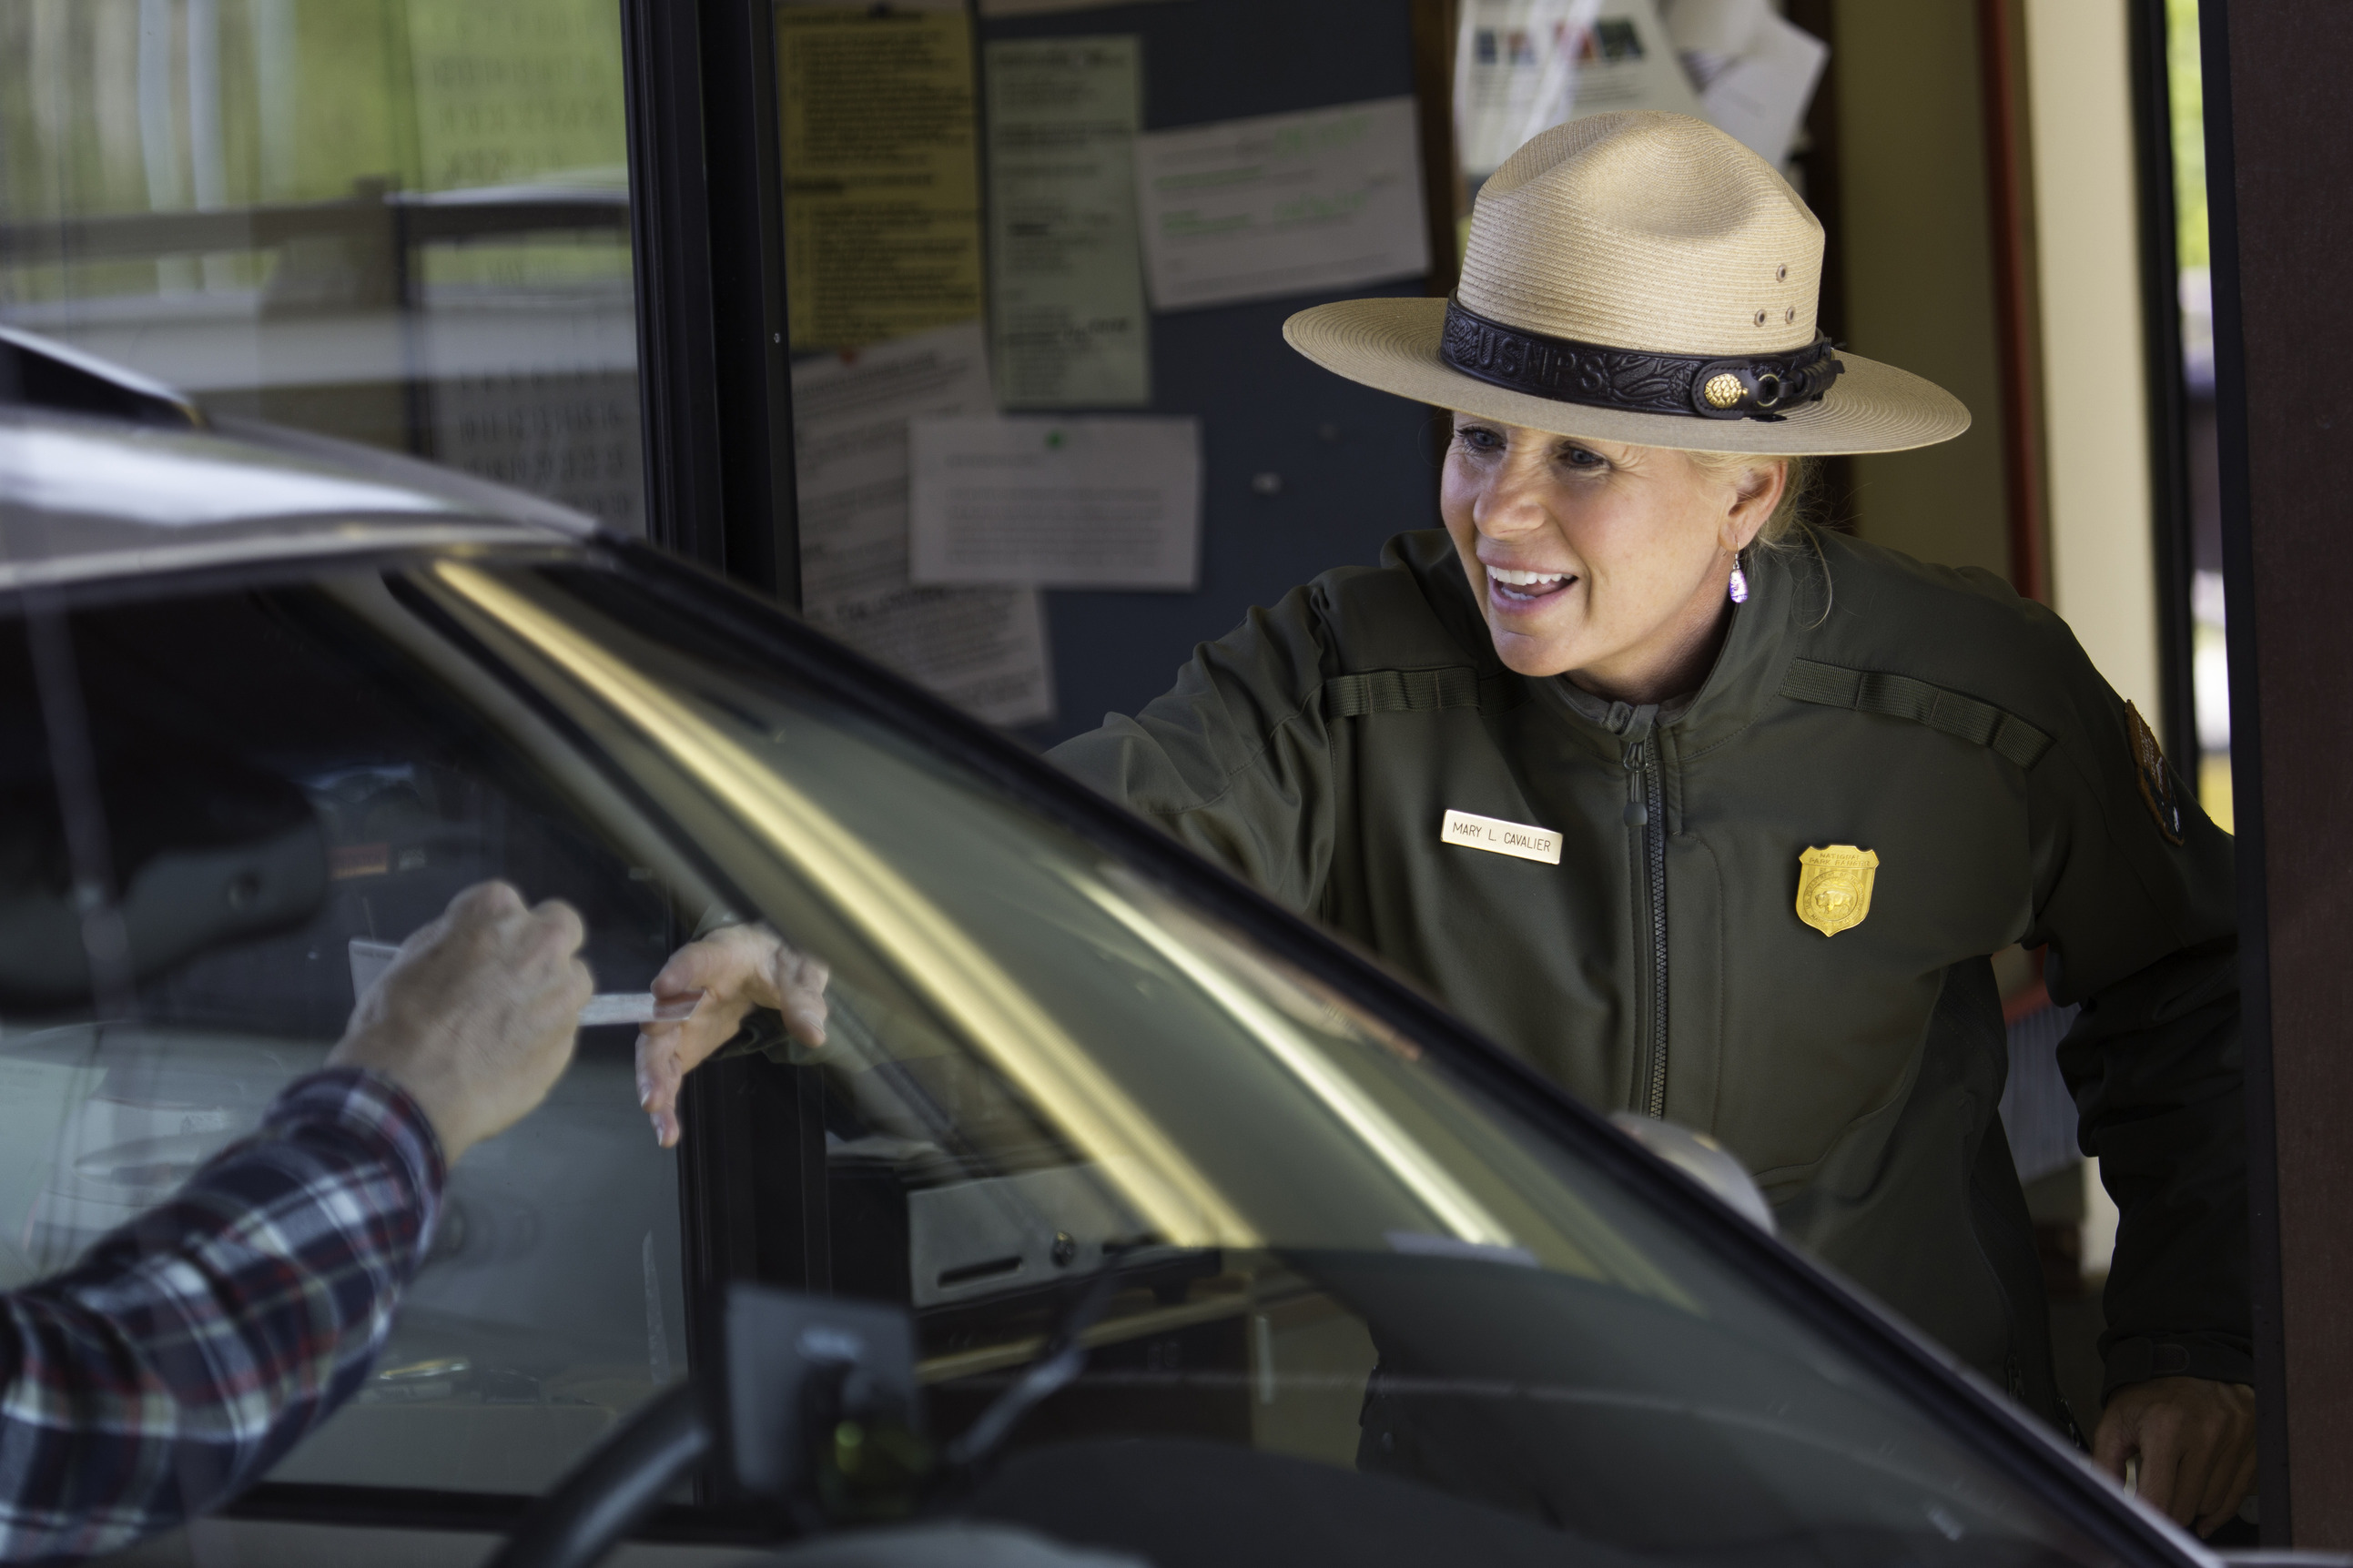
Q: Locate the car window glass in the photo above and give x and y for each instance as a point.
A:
(1331, 1247)
(37, 877)
(269, 725)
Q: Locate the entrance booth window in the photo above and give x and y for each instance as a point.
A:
(553, 243)
(399, 222)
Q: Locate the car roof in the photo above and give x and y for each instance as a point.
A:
(84, 498)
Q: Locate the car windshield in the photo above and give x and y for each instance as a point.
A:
(1341, 1257)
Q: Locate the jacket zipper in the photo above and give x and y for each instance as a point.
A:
(1642, 759)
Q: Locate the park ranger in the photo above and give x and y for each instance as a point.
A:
(1715, 816)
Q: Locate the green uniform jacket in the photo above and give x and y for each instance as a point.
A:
(1929, 716)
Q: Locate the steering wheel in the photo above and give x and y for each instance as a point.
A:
(592, 1509)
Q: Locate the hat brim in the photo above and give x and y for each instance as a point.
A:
(1392, 345)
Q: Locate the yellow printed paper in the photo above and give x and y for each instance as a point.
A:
(880, 171)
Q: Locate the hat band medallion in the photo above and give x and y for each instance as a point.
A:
(1749, 386)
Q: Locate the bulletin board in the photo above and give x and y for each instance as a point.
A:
(1301, 471)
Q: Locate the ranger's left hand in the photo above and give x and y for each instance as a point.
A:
(2195, 1441)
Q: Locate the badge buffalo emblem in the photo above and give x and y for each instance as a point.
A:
(1834, 887)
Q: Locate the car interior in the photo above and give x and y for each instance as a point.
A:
(259, 723)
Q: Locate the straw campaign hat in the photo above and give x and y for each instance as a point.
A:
(1640, 278)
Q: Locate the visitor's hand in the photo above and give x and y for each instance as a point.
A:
(736, 969)
(477, 1015)
(2195, 1441)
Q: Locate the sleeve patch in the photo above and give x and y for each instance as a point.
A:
(2156, 778)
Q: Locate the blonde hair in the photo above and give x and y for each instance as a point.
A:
(1797, 480)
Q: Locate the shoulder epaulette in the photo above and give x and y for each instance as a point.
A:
(1421, 690)
(1903, 697)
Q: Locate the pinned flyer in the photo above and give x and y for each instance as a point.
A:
(984, 650)
(1055, 503)
(1281, 204)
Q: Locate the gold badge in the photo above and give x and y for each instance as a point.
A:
(1834, 887)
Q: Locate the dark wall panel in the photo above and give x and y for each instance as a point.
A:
(2279, 156)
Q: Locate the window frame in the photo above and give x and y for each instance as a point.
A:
(706, 221)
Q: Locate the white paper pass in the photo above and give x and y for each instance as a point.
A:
(369, 960)
(1499, 838)
(637, 1007)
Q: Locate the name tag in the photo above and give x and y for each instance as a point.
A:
(1468, 831)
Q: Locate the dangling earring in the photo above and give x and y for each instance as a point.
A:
(1739, 581)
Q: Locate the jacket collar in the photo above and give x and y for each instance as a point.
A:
(1783, 585)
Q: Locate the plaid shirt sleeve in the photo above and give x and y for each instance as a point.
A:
(188, 1350)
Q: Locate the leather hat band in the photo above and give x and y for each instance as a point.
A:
(1752, 386)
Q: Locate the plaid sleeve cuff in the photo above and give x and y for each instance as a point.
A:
(358, 1102)
(188, 1350)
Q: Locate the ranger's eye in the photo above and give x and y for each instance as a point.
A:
(1478, 438)
(1579, 457)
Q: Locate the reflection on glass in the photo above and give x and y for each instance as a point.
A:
(402, 222)
(2210, 662)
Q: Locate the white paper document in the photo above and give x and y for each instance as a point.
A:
(1281, 204)
(1720, 27)
(983, 649)
(1066, 284)
(1526, 65)
(1760, 93)
(1627, 61)
(1515, 74)
(1062, 503)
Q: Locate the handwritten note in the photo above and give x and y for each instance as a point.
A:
(1061, 503)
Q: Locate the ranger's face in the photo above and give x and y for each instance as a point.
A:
(1605, 563)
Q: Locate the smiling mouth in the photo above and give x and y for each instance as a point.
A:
(1517, 590)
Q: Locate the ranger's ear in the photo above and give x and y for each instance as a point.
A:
(1756, 491)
